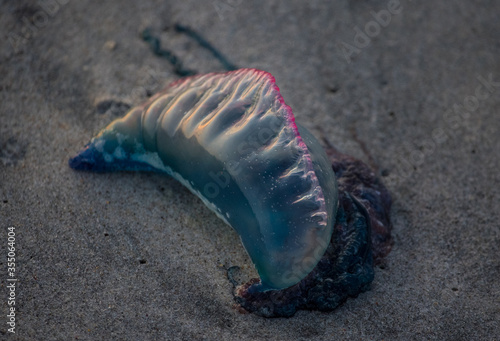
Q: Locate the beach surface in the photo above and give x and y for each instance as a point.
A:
(411, 88)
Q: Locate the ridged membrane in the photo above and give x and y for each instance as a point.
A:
(231, 139)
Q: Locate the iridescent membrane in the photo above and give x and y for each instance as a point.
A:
(231, 139)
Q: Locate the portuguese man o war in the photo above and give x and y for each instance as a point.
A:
(312, 220)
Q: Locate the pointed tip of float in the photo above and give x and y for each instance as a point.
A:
(87, 160)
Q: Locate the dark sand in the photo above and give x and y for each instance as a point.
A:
(138, 257)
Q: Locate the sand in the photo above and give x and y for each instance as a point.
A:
(411, 88)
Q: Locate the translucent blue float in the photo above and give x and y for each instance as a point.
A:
(231, 139)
